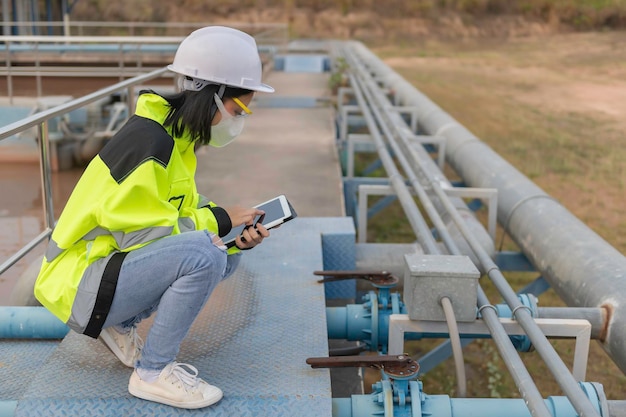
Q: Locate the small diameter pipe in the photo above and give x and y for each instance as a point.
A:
(520, 312)
(597, 316)
(457, 349)
(524, 382)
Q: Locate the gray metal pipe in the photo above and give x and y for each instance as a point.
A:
(422, 172)
(617, 408)
(583, 268)
(595, 316)
(414, 216)
(553, 361)
(523, 316)
(516, 367)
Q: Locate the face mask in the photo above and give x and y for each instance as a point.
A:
(228, 128)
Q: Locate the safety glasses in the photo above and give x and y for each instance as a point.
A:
(244, 109)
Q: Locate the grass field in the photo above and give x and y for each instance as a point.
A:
(555, 107)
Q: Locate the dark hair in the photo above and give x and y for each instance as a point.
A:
(193, 111)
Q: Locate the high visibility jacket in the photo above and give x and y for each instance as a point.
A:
(139, 188)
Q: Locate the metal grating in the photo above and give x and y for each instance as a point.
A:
(340, 254)
(251, 340)
(19, 361)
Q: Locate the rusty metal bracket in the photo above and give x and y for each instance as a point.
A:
(399, 366)
(381, 279)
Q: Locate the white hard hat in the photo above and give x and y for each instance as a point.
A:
(220, 55)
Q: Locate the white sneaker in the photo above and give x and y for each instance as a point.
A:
(176, 387)
(126, 346)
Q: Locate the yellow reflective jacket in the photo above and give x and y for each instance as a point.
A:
(139, 188)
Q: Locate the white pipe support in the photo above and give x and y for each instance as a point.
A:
(580, 330)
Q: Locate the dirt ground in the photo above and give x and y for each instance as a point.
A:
(590, 86)
(564, 96)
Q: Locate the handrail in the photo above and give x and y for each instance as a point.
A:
(79, 46)
(133, 26)
(261, 31)
(127, 55)
(41, 121)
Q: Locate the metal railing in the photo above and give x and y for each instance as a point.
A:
(40, 121)
(127, 56)
(265, 34)
(276, 32)
(109, 49)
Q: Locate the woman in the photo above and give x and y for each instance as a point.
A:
(135, 235)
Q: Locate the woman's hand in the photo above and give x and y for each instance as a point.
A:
(251, 236)
(242, 215)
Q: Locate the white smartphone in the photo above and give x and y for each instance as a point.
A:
(278, 210)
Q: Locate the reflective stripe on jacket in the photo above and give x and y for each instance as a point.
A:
(139, 188)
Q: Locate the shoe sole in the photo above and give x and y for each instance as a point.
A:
(112, 346)
(188, 405)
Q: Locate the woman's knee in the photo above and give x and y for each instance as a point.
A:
(201, 254)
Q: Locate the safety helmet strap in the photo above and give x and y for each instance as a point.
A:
(220, 94)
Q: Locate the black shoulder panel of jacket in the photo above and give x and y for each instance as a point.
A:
(138, 141)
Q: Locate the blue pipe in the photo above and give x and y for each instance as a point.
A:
(354, 322)
(30, 323)
(422, 404)
(7, 408)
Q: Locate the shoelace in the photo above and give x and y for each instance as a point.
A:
(137, 340)
(189, 379)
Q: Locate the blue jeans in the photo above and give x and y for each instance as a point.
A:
(175, 275)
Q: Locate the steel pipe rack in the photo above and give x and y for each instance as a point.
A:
(376, 111)
(583, 268)
(520, 374)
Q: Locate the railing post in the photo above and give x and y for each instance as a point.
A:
(46, 174)
(9, 75)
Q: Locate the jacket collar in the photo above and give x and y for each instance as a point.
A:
(153, 106)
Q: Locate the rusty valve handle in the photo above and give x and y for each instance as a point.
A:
(392, 365)
(382, 278)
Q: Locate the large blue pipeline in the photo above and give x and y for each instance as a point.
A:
(354, 322)
(30, 323)
(406, 399)
(399, 393)
(363, 323)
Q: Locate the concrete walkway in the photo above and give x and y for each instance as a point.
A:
(283, 150)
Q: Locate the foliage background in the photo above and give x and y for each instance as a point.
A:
(376, 19)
